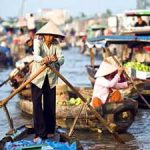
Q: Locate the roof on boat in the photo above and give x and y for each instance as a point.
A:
(121, 38)
(102, 41)
(141, 12)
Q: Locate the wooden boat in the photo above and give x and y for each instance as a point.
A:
(130, 41)
(91, 70)
(5, 54)
(122, 114)
(22, 138)
(146, 94)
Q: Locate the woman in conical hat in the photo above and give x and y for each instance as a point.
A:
(46, 50)
(107, 79)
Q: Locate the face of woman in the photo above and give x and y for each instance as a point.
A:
(111, 76)
(48, 38)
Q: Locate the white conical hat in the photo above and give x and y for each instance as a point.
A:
(111, 60)
(50, 28)
(105, 69)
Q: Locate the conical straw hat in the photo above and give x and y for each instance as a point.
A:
(50, 28)
(112, 61)
(105, 69)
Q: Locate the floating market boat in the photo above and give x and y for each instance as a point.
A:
(5, 55)
(123, 39)
(138, 75)
(122, 114)
(145, 30)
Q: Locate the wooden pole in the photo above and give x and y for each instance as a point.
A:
(92, 56)
(5, 101)
(75, 120)
(97, 115)
(130, 79)
(10, 121)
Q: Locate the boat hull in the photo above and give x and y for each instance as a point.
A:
(121, 113)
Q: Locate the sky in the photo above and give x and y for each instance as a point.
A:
(11, 8)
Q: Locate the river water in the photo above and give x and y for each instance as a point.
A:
(137, 137)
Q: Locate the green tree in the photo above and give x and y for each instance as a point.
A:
(107, 14)
(142, 4)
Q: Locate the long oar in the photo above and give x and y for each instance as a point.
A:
(5, 101)
(19, 70)
(130, 79)
(75, 120)
(98, 116)
(10, 121)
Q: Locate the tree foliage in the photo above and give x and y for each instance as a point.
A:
(107, 14)
(142, 4)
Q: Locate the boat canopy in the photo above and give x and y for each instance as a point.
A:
(140, 12)
(103, 41)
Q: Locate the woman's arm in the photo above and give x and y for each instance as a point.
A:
(121, 85)
(109, 83)
(36, 52)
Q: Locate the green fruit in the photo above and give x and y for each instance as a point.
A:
(78, 101)
(72, 101)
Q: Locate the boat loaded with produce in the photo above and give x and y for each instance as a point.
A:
(137, 63)
(138, 30)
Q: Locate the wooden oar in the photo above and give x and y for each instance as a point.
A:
(10, 121)
(19, 70)
(130, 79)
(98, 116)
(92, 57)
(5, 101)
(75, 120)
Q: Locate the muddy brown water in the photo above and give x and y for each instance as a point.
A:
(137, 137)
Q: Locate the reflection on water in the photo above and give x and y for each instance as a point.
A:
(74, 71)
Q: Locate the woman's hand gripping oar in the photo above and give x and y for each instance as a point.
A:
(5, 101)
(18, 71)
(98, 116)
(130, 79)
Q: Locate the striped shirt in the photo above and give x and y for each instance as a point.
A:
(40, 51)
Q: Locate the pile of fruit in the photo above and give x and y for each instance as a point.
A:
(70, 102)
(74, 101)
(137, 66)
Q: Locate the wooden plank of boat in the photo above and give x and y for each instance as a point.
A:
(121, 113)
(26, 134)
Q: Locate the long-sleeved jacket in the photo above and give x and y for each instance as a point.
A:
(40, 51)
(102, 86)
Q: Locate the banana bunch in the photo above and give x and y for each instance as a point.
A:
(74, 101)
(138, 66)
